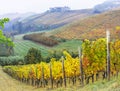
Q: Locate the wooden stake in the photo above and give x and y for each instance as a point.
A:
(43, 81)
(108, 54)
(63, 70)
(51, 78)
(81, 68)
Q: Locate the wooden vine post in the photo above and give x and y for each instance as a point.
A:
(63, 71)
(81, 68)
(51, 78)
(43, 81)
(108, 54)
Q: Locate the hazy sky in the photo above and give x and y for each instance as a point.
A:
(22, 6)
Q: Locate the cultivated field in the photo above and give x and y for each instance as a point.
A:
(22, 46)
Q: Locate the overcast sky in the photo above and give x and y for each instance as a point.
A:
(38, 6)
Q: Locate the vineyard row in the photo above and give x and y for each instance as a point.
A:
(67, 70)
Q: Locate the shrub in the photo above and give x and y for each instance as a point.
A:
(40, 38)
(11, 60)
(33, 56)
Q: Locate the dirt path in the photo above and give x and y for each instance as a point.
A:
(7, 83)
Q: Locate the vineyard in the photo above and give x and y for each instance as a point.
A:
(22, 46)
(91, 27)
(40, 38)
(60, 49)
(67, 70)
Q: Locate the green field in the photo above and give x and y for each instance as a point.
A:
(22, 46)
(70, 45)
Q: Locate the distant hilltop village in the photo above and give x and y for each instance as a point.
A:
(59, 9)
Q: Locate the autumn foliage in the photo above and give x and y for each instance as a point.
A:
(93, 59)
(40, 38)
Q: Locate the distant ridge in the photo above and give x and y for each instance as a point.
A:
(51, 19)
(55, 17)
(107, 5)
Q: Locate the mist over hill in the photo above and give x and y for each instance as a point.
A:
(107, 5)
(50, 19)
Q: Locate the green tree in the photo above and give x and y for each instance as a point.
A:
(5, 42)
(3, 21)
(33, 56)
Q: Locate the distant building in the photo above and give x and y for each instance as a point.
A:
(59, 9)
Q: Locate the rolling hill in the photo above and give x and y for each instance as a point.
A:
(55, 17)
(80, 24)
(49, 20)
(90, 28)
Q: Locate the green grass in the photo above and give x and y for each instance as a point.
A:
(22, 46)
(104, 85)
(101, 85)
(71, 45)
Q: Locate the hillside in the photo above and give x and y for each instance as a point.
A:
(91, 27)
(57, 17)
(53, 18)
(50, 19)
